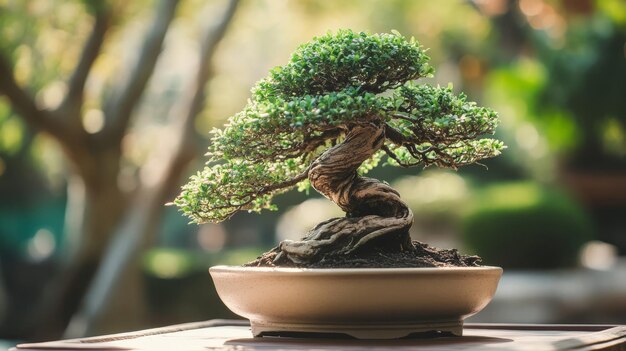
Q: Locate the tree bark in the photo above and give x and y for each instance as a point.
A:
(374, 210)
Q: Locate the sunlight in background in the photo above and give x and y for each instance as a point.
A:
(431, 186)
(169, 264)
(211, 237)
(516, 195)
(543, 16)
(527, 136)
(614, 137)
(598, 255)
(298, 220)
(492, 7)
(11, 135)
(93, 121)
(23, 64)
(437, 199)
(52, 95)
(41, 246)
(49, 160)
(127, 179)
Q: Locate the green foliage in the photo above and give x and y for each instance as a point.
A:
(329, 86)
(216, 192)
(526, 226)
(334, 62)
(572, 88)
(449, 156)
(441, 126)
(441, 115)
(281, 127)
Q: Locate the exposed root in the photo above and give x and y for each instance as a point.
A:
(420, 256)
(341, 236)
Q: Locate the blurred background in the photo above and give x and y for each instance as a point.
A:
(105, 108)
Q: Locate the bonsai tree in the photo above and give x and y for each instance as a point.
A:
(340, 105)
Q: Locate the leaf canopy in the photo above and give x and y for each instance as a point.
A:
(331, 84)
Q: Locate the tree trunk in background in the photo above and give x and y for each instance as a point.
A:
(126, 308)
(125, 305)
(103, 206)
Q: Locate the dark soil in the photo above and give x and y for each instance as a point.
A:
(422, 256)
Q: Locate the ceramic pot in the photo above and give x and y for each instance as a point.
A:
(366, 303)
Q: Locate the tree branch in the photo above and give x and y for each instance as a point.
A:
(394, 135)
(287, 183)
(120, 107)
(405, 117)
(242, 201)
(393, 156)
(23, 103)
(307, 146)
(91, 50)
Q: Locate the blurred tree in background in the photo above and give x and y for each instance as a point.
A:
(563, 85)
(101, 105)
(44, 81)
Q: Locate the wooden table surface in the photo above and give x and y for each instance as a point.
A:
(235, 335)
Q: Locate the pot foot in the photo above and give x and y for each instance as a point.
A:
(358, 331)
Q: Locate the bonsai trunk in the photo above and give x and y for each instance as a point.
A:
(374, 210)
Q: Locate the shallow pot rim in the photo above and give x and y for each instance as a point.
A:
(353, 271)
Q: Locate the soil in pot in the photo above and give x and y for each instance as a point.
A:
(423, 255)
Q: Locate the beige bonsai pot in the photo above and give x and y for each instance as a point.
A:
(366, 303)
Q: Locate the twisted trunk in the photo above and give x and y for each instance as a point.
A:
(374, 210)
